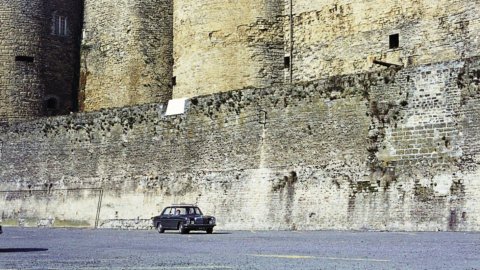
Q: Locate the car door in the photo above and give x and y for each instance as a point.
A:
(176, 218)
(166, 218)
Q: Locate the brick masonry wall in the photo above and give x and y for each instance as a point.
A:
(224, 45)
(395, 149)
(221, 45)
(334, 37)
(126, 53)
(27, 30)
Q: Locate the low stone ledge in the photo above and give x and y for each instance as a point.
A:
(127, 224)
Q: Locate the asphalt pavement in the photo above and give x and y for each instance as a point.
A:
(26, 248)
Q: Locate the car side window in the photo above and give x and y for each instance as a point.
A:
(181, 211)
(167, 211)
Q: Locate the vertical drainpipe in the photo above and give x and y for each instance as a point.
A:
(291, 41)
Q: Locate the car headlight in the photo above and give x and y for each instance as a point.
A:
(212, 221)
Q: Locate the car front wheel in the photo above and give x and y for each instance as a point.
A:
(181, 229)
(160, 228)
(209, 231)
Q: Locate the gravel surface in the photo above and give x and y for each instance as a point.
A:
(110, 249)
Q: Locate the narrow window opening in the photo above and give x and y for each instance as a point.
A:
(22, 58)
(60, 26)
(286, 62)
(174, 80)
(394, 41)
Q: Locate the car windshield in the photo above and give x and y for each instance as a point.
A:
(195, 211)
(167, 211)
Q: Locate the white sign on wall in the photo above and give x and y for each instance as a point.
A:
(176, 106)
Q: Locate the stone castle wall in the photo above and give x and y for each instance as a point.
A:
(224, 45)
(334, 37)
(126, 53)
(138, 52)
(38, 70)
(388, 150)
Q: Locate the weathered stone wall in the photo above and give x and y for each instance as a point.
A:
(126, 53)
(389, 150)
(224, 45)
(38, 68)
(221, 45)
(334, 37)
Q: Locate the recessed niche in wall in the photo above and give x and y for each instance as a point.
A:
(21, 58)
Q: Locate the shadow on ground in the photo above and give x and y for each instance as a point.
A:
(13, 250)
(197, 233)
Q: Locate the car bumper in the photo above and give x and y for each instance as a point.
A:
(199, 227)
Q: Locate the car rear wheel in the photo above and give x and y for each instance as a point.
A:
(210, 230)
(181, 229)
(160, 228)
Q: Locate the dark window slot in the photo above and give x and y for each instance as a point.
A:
(28, 59)
(286, 62)
(174, 81)
(394, 41)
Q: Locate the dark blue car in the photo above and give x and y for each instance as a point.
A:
(184, 218)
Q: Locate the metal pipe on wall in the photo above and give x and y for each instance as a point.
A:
(291, 41)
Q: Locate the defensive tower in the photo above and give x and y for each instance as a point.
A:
(126, 53)
(39, 58)
(223, 45)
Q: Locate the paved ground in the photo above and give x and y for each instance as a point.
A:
(145, 250)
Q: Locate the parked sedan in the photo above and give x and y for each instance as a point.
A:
(184, 218)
